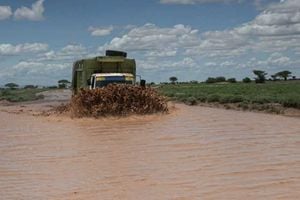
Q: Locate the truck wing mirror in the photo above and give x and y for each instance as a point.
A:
(88, 81)
(143, 83)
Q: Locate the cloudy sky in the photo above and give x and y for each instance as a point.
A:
(190, 39)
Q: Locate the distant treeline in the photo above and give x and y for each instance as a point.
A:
(261, 77)
(61, 84)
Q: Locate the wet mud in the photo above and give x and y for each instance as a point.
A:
(191, 153)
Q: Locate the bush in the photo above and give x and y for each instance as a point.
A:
(246, 80)
(201, 98)
(231, 80)
(213, 98)
(210, 80)
(194, 82)
(52, 87)
(220, 79)
(260, 100)
(191, 101)
(261, 76)
(231, 99)
(29, 87)
(291, 103)
(260, 80)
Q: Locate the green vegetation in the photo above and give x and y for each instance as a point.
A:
(12, 85)
(284, 93)
(246, 80)
(231, 80)
(283, 74)
(173, 79)
(18, 95)
(220, 79)
(261, 76)
(63, 83)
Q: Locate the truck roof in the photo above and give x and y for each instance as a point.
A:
(112, 74)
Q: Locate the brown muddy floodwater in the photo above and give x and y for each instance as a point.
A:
(192, 153)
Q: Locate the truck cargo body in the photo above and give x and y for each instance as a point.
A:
(104, 66)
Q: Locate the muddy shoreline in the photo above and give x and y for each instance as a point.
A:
(55, 98)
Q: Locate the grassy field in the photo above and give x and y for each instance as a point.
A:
(244, 95)
(18, 95)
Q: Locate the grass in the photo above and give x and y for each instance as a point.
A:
(286, 94)
(19, 95)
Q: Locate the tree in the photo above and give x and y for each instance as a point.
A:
(12, 85)
(173, 79)
(284, 74)
(261, 76)
(231, 80)
(274, 77)
(30, 86)
(193, 82)
(210, 80)
(247, 80)
(63, 83)
(220, 79)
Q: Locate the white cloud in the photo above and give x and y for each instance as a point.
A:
(277, 20)
(196, 1)
(35, 13)
(277, 28)
(211, 64)
(69, 53)
(9, 49)
(100, 31)
(38, 67)
(72, 49)
(165, 53)
(276, 60)
(220, 44)
(40, 73)
(184, 63)
(5, 12)
(153, 38)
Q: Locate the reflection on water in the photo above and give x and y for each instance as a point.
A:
(193, 153)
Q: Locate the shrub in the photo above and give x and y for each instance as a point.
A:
(231, 99)
(246, 80)
(291, 103)
(231, 80)
(29, 87)
(210, 80)
(213, 98)
(260, 100)
(220, 79)
(261, 76)
(191, 101)
(201, 98)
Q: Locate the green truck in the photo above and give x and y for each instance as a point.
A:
(100, 71)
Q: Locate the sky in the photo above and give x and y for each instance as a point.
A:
(189, 39)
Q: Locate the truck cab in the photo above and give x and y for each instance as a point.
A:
(99, 80)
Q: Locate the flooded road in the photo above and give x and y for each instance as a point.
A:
(192, 153)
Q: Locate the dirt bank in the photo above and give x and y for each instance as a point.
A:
(192, 153)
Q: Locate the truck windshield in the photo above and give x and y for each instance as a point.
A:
(107, 82)
(104, 81)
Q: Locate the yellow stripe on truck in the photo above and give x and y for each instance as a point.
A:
(100, 78)
(128, 78)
